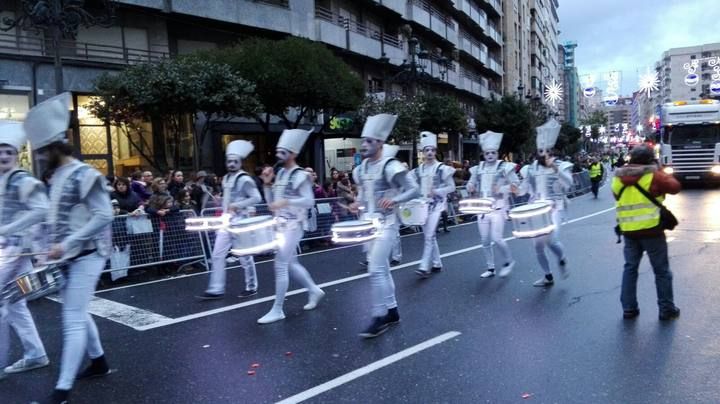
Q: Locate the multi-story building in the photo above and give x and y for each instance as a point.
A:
(516, 52)
(570, 107)
(459, 42)
(543, 45)
(686, 73)
(619, 115)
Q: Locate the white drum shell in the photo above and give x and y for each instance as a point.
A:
(532, 220)
(476, 206)
(354, 231)
(414, 212)
(253, 235)
(35, 284)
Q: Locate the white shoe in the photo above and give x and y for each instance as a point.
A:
(488, 274)
(24, 365)
(271, 317)
(543, 282)
(313, 300)
(506, 269)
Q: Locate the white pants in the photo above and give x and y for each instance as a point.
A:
(552, 241)
(382, 287)
(286, 263)
(223, 243)
(18, 316)
(80, 334)
(395, 253)
(491, 226)
(431, 251)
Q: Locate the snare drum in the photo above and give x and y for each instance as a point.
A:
(355, 231)
(476, 206)
(532, 220)
(35, 284)
(414, 212)
(253, 235)
(207, 223)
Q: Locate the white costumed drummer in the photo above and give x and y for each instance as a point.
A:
(239, 193)
(383, 184)
(23, 204)
(79, 219)
(436, 182)
(289, 198)
(494, 179)
(547, 179)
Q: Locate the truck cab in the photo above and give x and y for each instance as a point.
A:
(690, 140)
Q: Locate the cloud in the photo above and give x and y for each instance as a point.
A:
(632, 35)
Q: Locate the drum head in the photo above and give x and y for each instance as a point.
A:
(252, 220)
(352, 223)
(529, 207)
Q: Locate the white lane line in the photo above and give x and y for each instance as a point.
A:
(365, 370)
(171, 321)
(120, 313)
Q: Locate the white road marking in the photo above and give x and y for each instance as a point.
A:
(365, 370)
(120, 313)
(171, 321)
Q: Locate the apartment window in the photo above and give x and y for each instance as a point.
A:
(693, 89)
(375, 85)
(692, 57)
(706, 54)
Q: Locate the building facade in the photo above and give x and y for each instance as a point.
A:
(570, 104)
(686, 74)
(459, 49)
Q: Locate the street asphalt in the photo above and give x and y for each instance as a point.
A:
(462, 339)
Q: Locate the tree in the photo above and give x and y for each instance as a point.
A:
(408, 109)
(512, 117)
(293, 75)
(595, 120)
(175, 93)
(567, 142)
(441, 113)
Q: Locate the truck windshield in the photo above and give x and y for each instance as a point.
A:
(694, 134)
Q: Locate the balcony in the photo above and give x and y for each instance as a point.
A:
(398, 6)
(274, 15)
(474, 13)
(29, 45)
(423, 13)
(495, 66)
(492, 6)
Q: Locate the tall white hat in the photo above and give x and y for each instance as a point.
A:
(13, 134)
(547, 134)
(241, 148)
(390, 150)
(48, 121)
(428, 139)
(490, 140)
(379, 126)
(293, 140)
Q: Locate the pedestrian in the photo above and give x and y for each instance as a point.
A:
(384, 183)
(139, 186)
(436, 182)
(147, 178)
(493, 179)
(289, 199)
(128, 201)
(185, 201)
(548, 179)
(199, 191)
(638, 188)
(597, 171)
(77, 196)
(159, 187)
(24, 204)
(239, 194)
(176, 183)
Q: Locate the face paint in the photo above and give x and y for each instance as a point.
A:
(430, 153)
(491, 156)
(8, 158)
(369, 147)
(282, 155)
(232, 163)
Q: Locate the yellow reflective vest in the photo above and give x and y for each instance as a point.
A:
(634, 211)
(595, 170)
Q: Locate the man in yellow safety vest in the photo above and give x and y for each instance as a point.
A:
(639, 221)
(597, 170)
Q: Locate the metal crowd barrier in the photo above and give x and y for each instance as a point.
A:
(148, 241)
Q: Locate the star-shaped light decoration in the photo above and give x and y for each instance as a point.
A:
(553, 92)
(648, 82)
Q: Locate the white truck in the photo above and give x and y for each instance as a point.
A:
(690, 140)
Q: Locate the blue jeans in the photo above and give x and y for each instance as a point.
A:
(657, 251)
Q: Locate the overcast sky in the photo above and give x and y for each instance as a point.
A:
(630, 35)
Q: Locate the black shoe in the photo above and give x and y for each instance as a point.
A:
(210, 296)
(57, 397)
(98, 368)
(364, 263)
(670, 314)
(378, 326)
(394, 262)
(629, 314)
(446, 230)
(392, 317)
(247, 293)
(436, 269)
(422, 274)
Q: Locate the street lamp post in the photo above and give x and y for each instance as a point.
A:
(61, 19)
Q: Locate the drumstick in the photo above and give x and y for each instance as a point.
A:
(26, 254)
